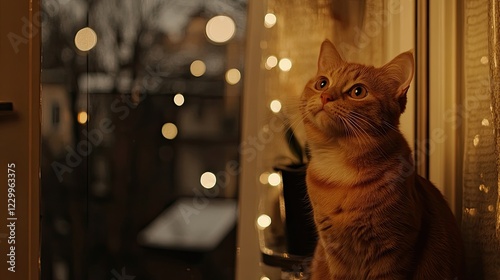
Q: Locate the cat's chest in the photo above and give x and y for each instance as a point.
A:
(331, 166)
(335, 206)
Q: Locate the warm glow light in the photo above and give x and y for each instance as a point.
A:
(471, 211)
(179, 99)
(220, 29)
(476, 140)
(85, 39)
(275, 106)
(208, 180)
(285, 64)
(271, 62)
(264, 278)
(233, 76)
(198, 68)
(484, 60)
(274, 179)
(169, 131)
(263, 221)
(263, 178)
(82, 117)
(269, 20)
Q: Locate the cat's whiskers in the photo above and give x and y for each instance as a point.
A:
(300, 119)
(390, 126)
(380, 131)
(348, 128)
(368, 142)
(362, 118)
(354, 129)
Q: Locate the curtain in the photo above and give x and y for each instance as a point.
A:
(357, 28)
(481, 216)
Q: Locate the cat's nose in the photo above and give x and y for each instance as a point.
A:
(325, 98)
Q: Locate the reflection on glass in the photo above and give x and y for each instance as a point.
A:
(156, 78)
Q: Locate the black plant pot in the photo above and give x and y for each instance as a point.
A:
(300, 231)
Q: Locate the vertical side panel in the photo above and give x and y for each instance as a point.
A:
(19, 139)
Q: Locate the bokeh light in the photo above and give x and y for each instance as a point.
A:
(82, 117)
(85, 39)
(220, 29)
(179, 99)
(169, 131)
(233, 76)
(275, 106)
(476, 140)
(271, 62)
(484, 60)
(285, 64)
(263, 178)
(208, 180)
(269, 20)
(274, 179)
(263, 221)
(198, 68)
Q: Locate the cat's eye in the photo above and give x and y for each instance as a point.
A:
(322, 83)
(358, 92)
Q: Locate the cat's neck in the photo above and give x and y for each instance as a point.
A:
(348, 161)
(369, 147)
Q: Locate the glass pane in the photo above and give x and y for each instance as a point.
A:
(141, 127)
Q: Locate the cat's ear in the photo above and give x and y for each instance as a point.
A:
(329, 57)
(400, 70)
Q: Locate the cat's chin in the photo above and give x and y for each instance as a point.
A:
(329, 125)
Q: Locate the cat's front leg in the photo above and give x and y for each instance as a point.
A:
(319, 265)
(324, 267)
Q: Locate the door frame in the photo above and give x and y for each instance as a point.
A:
(20, 28)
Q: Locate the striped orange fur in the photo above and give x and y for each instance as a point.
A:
(376, 218)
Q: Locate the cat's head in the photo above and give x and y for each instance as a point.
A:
(348, 99)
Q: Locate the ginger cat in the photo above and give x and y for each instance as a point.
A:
(376, 218)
